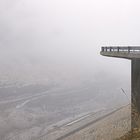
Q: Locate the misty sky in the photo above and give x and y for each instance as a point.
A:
(68, 33)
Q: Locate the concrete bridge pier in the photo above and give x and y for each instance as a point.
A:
(131, 53)
(135, 93)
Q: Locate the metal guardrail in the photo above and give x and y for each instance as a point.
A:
(120, 49)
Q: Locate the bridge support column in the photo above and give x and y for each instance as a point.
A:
(135, 87)
(132, 53)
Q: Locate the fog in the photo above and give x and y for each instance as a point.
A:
(56, 43)
(66, 34)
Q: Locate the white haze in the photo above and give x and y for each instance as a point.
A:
(67, 34)
(51, 69)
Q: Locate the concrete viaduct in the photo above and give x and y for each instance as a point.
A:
(131, 53)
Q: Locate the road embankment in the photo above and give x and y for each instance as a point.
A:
(110, 126)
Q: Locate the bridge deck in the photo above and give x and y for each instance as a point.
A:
(121, 52)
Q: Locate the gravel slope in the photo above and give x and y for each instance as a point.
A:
(110, 128)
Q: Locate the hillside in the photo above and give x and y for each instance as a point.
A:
(109, 128)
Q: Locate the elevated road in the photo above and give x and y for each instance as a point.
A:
(121, 52)
(132, 53)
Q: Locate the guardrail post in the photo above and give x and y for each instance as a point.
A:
(118, 49)
(106, 49)
(102, 49)
(128, 49)
(110, 49)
